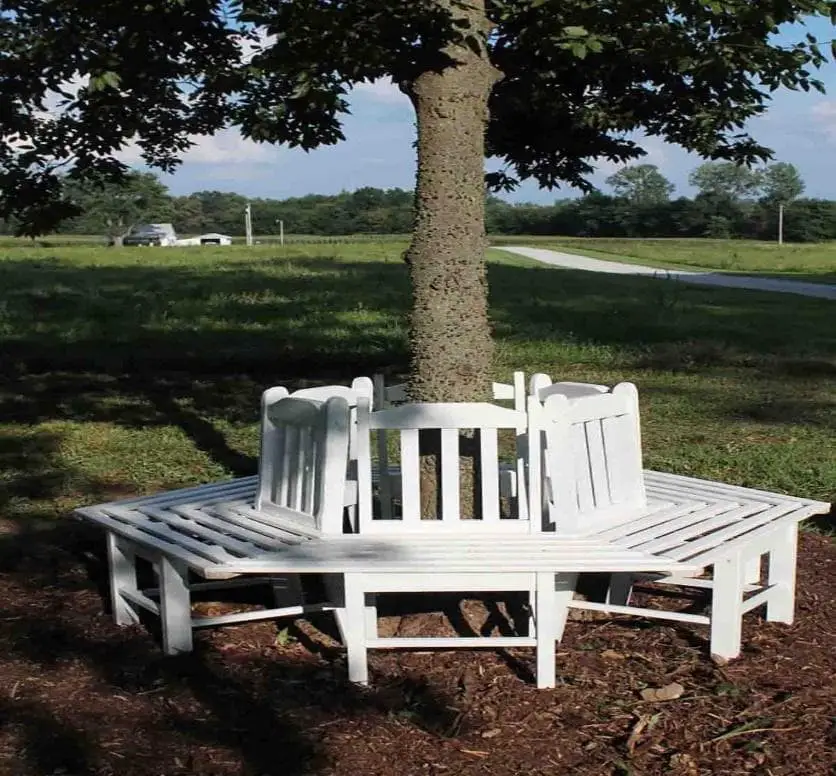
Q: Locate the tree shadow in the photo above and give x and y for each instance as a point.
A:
(194, 346)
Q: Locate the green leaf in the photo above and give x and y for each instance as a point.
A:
(575, 32)
(102, 81)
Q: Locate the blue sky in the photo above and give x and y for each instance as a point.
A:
(800, 127)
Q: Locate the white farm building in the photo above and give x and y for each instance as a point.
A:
(212, 238)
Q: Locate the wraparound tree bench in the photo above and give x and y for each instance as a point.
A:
(292, 523)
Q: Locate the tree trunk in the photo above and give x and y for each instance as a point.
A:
(450, 337)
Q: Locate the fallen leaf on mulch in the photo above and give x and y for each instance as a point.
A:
(611, 654)
(491, 733)
(669, 692)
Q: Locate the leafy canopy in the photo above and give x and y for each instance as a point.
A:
(726, 181)
(781, 184)
(642, 184)
(81, 78)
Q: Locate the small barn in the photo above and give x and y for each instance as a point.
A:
(211, 238)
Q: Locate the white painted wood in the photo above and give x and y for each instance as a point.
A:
(355, 625)
(122, 570)
(142, 601)
(627, 522)
(450, 485)
(488, 466)
(175, 609)
(727, 607)
(410, 473)
(754, 601)
(541, 386)
(413, 553)
(712, 525)
(454, 642)
(656, 614)
(256, 616)
(545, 616)
(197, 529)
(782, 566)
(753, 570)
(564, 586)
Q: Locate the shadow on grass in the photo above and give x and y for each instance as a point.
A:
(192, 347)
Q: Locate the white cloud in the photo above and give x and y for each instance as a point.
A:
(382, 90)
(224, 148)
(824, 115)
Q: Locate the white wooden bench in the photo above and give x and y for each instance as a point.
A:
(291, 522)
(496, 550)
(596, 487)
(401, 550)
(198, 531)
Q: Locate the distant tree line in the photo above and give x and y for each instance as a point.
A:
(732, 202)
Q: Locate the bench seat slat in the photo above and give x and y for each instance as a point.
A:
(688, 530)
(211, 550)
(154, 544)
(722, 488)
(234, 525)
(200, 494)
(206, 528)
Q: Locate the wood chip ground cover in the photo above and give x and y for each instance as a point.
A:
(80, 696)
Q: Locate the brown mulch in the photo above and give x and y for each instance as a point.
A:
(79, 696)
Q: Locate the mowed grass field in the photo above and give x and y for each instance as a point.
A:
(808, 261)
(127, 371)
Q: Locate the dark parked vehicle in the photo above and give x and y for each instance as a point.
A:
(151, 234)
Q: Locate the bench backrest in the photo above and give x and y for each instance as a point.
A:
(541, 386)
(406, 423)
(592, 459)
(389, 395)
(302, 466)
(360, 387)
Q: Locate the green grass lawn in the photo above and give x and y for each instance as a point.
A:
(810, 261)
(133, 370)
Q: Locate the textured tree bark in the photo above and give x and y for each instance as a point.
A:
(450, 336)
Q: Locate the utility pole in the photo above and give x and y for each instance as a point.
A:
(248, 224)
(281, 232)
(781, 224)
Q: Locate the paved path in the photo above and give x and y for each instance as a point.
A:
(571, 261)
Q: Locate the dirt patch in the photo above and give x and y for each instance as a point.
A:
(81, 697)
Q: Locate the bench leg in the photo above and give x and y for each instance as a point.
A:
(121, 563)
(175, 608)
(554, 592)
(354, 629)
(780, 606)
(564, 585)
(546, 617)
(727, 607)
(753, 571)
(621, 587)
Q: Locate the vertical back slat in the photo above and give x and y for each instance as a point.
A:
(583, 471)
(619, 452)
(450, 475)
(597, 463)
(309, 453)
(489, 473)
(289, 446)
(410, 478)
(267, 461)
